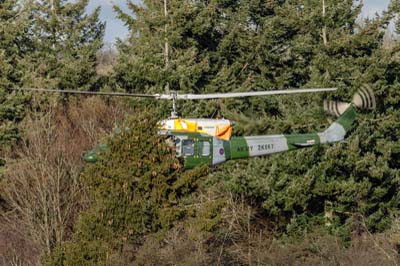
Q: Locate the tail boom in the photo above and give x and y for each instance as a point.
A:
(243, 147)
(252, 146)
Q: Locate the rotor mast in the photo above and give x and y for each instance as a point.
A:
(174, 113)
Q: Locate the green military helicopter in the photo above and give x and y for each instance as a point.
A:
(210, 141)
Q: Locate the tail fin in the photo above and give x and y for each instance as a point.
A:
(364, 99)
(338, 130)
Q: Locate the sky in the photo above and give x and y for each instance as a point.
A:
(116, 29)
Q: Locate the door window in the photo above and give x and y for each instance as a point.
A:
(204, 148)
(188, 147)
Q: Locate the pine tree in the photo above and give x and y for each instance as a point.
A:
(357, 177)
(212, 46)
(215, 46)
(14, 45)
(164, 47)
(66, 41)
(221, 45)
(135, 189)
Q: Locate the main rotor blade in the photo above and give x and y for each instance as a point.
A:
(182, 96)
(248, 94)
(122, 94)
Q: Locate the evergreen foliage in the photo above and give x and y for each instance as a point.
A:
(142, 202)
(135, 189)
(65, 41)
(219, 46)
(50, 44)
(14, 45)
(330, 185)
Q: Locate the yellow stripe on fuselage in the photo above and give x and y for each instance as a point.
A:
(219, 128)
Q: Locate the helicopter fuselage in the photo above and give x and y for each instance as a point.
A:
(199, 148)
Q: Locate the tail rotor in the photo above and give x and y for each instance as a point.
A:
(335, 108)
(364, 99)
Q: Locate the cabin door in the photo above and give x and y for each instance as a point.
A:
(197, 150)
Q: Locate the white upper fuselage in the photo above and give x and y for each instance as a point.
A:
(219, 128)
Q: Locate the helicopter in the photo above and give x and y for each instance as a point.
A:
(209, 141)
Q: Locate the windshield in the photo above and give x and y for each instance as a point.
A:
(188, 147)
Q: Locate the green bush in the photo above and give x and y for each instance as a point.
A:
(135, 189)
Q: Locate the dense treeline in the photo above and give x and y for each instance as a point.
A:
(333, 205)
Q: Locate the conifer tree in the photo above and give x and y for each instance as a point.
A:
(136, 189)
(217, 46)
(357, 177)
(166, 45)
(66, 41)
(213, 46)
(14, 45)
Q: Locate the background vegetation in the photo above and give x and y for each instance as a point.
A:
(332, 205)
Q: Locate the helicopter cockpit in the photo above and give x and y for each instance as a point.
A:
(187, 147)
(193, 150)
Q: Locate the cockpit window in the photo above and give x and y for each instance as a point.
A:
(204, 148)
(188, 147)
